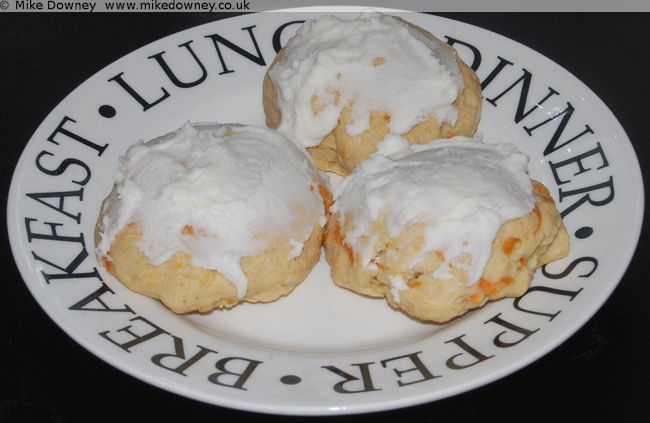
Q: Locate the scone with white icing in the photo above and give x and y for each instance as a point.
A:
(442, 228)
(212, 215)
(340, 86)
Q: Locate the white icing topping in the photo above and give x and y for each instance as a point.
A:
(218, 192)
(397, 285)
(462, 189)
(377, 62)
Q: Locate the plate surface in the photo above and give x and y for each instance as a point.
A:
(321, 350)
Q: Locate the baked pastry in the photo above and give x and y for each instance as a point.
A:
(212, 215)
(441, 228)
(340, 86)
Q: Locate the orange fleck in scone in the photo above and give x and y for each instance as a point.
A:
(340, 86)
(212, 215)
(441, 228)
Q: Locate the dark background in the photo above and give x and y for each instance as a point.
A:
(599, 374)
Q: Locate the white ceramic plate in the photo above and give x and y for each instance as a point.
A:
(321, 350)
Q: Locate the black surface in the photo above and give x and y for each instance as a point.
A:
(599, 374)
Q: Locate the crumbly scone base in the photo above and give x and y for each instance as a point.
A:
(340, 152)
(520, 247)
(184, 288)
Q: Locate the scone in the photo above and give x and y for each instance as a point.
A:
(340, 86)
(441, 228)
(212, 215)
